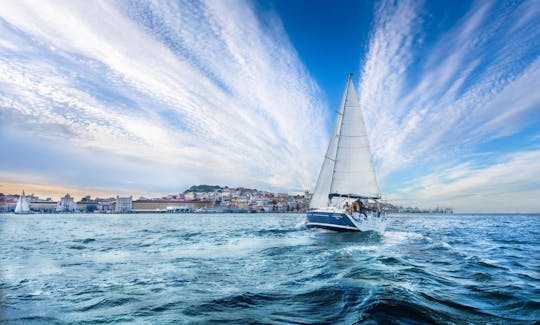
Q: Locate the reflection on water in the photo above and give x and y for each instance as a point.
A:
(268, 269)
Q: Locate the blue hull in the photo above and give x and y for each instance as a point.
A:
(330, 221)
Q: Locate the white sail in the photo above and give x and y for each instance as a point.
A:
(18, 208)
(348, 166)
(353, 170)
(22, 205)
(322, 189)
(25, 205)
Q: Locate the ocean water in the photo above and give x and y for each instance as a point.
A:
(267, 268)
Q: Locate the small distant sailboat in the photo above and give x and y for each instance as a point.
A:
(346, 197)
(23, 206)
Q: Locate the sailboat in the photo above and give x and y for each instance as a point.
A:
(23, 206)
(346, 197)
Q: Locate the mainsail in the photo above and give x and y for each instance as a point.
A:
(347, 167)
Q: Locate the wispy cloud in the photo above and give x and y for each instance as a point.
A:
(510, 184)
(207, 88)
(432, 99)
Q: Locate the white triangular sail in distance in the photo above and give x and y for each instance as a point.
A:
(347, 167)
(22, 205)
(18, 207)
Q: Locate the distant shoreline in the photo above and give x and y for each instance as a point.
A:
(271, 213)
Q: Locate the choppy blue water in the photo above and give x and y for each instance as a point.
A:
(267, 268)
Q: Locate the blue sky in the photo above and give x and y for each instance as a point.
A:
(149, 97)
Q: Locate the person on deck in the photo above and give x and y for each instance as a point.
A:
(358, 206)
(346, 207)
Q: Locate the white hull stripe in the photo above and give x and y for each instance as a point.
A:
(330, 225)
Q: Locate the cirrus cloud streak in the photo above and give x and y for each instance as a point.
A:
(206, 88)
(436, 99)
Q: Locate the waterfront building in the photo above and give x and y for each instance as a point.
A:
(123, 204)
(225, 204)
(261, 205)
(4, 205)
(162, 204)
(88, 205)
(190, 196)
(177, 209)
(66, 204)
(106, 205)
(43, 206)
(226, 194)
(9, 202)
(292, 206)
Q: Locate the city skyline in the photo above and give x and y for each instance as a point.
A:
(147, 98)
(208, 198)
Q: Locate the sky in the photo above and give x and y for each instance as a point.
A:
(151, 97)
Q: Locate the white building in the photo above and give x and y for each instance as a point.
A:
(123, 204)
(66, 204)
(106, 206)
(226, 194)
(190, 196)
